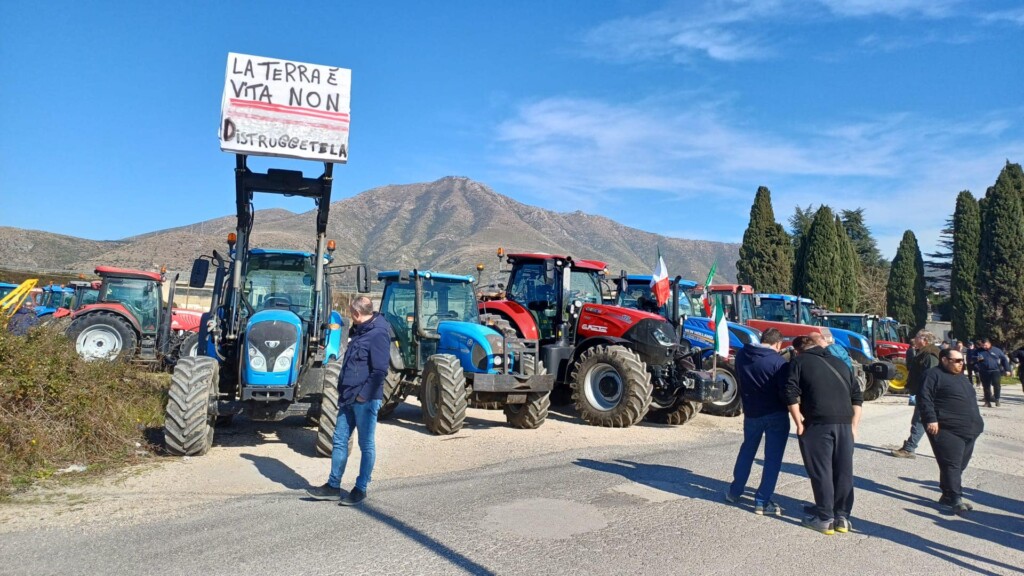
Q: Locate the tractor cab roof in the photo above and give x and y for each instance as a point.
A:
(57, 288)
(784, 298)
(8, 285)
(732, 288)
(849, 314)
(262, 251)
(127, 273)
(595, 265)
(685, 284)
(393, 274)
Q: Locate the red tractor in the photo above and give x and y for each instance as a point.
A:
(129, 320)
(618, 364)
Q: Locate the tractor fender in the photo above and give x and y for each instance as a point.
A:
(185, 319)
(520, 318)
(113, 307)
(332, 339)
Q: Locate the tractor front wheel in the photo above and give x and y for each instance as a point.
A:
(103, 336)
(535, 411)
(189, 346)
(443, 394)
(328, 409)
(191, 407)
(731, 404)
(898, 385)
(611, 387)
(875, 388)
(677, 412)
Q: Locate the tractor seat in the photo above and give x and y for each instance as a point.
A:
(277, 300)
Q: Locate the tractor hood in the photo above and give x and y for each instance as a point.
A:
(272, 347)
(478, 348)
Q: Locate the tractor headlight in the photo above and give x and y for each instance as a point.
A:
(284, 361)
(256, 359)
(498, 360)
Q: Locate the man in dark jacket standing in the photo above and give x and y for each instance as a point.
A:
(926, 356)
(360, 394)
(991, 363)
(24, 318)
(949, 409)
(825, 403)
(761, 371)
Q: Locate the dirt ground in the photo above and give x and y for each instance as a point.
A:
(254, 458)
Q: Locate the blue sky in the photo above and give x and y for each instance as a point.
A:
(665, 116)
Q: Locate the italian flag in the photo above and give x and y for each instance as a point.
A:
(721, 327)
(659, 283)
(707, 294)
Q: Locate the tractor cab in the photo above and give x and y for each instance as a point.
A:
(541, 283)
(634, 291)
(737, 301)
(53, 298)
(783, 308)
(6, 288)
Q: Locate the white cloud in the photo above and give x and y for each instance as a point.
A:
(896, 8)
(1014, 16)
(903, 169)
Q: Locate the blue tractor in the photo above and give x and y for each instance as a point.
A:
(452, 357)
(53, 298)
(270, 345)
(634, 291)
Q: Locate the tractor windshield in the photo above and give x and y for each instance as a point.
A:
(639, 296)
(140, 297)
(774, 310)
(856, 324)
(443, 299)
(280, 281)
(886, 330)
(84, 296)
(583, 285)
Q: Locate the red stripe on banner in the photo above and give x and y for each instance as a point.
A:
(308, 114)
(288, 109)
(287, 121)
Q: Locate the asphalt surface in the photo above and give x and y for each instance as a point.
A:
(595, 510)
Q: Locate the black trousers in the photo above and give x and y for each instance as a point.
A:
(990, 382)
(952, 453)
(828, 456)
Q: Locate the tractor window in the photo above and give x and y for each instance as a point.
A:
(886, 331)
(583, 285)
(530, 286)
(280, 281)
(140, 297)
(773, 310)
(851, 323)
(746, 308)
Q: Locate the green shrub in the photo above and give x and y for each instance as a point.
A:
(57, 410)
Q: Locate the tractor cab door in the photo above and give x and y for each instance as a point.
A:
(535, 289)
(141, 298)
(398, 306)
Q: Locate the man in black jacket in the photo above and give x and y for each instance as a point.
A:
(991, 363)
(360, 394)
(926, 356)
(825, 403)
(761, 372)
(949, 410)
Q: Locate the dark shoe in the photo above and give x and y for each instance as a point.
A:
(843, 525)
(354, 497)
(325, 492)
(961, 508)
(903, 453)
(769, 509)
(997, 403)
(819, 525)
(947, 501)
(988, 404)
(730, 498)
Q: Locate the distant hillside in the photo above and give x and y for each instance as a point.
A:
(450, 224)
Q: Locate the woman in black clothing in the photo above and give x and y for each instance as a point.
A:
(949, 410)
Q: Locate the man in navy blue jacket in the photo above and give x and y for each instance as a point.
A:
(360, 394)
(991, 363)
(761, 371)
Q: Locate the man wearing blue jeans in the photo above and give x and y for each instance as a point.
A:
(761, 372)
(360, 394)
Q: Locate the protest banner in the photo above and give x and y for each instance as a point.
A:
(275, 107)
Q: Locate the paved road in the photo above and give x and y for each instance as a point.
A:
(598, 510)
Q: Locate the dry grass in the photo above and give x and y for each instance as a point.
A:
(57, 410)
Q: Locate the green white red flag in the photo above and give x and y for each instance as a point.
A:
(721, 327)
(659, 281)
(707, 294)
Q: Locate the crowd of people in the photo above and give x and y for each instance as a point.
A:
(816, 390)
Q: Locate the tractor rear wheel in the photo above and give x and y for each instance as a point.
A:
(533, 413)
(611, 387)
(731, 404)
(103, 336)
(393, 394)
(328, 409)
(189, 346)
(898, 385)
(443, 394)
(191, 407)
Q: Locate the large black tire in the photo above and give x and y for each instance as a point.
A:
(328, 409)
(443, 394)
(678, 413)
(534, 412)
(898, 385)
(499, 324)
(103, 336)
(731, 404)
(189, 420)
(393, 395)
(875, 388)
(611, 387)
(189, 346)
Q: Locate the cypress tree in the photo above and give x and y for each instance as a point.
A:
(823, 259)
(860, 235)
(963, 286)
(849, 272)
(766, 255)
(1001, 266)
(906, 300)
(799, 226)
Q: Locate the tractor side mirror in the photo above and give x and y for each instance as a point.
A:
(787, 305)
(757, 300)
(200, 269)
(362, 279)
(549, 271)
